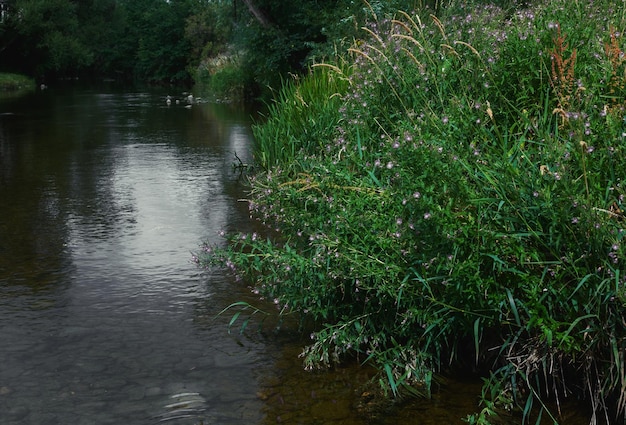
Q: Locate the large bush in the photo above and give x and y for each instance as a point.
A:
(463, 206)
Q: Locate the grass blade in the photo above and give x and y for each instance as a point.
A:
(513, 307)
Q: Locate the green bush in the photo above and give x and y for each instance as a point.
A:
(465, 196)
(15, 82)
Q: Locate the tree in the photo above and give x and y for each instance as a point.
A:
(41, 36)
(102, 28)
(209, 30)
(277, 36)
(157, 29)
(141, 39)
(259, 14)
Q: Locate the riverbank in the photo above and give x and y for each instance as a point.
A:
(449, 196)
(15, 82)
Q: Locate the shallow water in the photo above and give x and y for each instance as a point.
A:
(104, 319)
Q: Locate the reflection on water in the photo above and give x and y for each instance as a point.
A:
(103, 317)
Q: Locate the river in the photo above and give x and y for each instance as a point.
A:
(104, 317)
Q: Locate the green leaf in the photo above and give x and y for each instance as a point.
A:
(391, 380)
(477, 337)
(513, 307)
(374, 179)
(233, 320)
(574, 323)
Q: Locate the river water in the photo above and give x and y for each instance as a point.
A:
(104, 318)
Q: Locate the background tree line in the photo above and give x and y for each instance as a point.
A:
(176, 41)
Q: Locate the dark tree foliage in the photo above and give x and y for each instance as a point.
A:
(102, 28)
(280, 37)
(157, 31)
(164, 41)
(123, 39)
(41, 37)
(209, 29)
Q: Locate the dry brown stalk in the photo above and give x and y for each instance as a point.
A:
(403, 25)
(469, 46)
(373, 34)
(408, 52)
(408, 38)
(440, 26)
(306, 182)
(362, 53)
(617, 58)
(369, 6)
(450, 49)
(408, 18)
(327, 65)
(612, 48)
(562, 76)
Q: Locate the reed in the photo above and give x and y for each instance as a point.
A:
(302, 117)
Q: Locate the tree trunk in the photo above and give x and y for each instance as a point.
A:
(260, 16)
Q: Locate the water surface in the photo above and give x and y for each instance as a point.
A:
(104, 319)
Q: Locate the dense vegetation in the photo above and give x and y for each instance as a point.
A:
(231, 46)
(141, 40)
(449, 193)
(15, 83)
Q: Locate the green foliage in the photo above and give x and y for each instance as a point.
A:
(159, 41)
(209, 29)
(303, 117)
(463, 194)
(280, 43)
(41, 36)
(142, 39)
(15, 82)
(163, 51)
(222, 77)
(297, 34)
(102, 30)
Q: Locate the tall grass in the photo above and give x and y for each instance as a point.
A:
(460, 203)
(302, 118)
